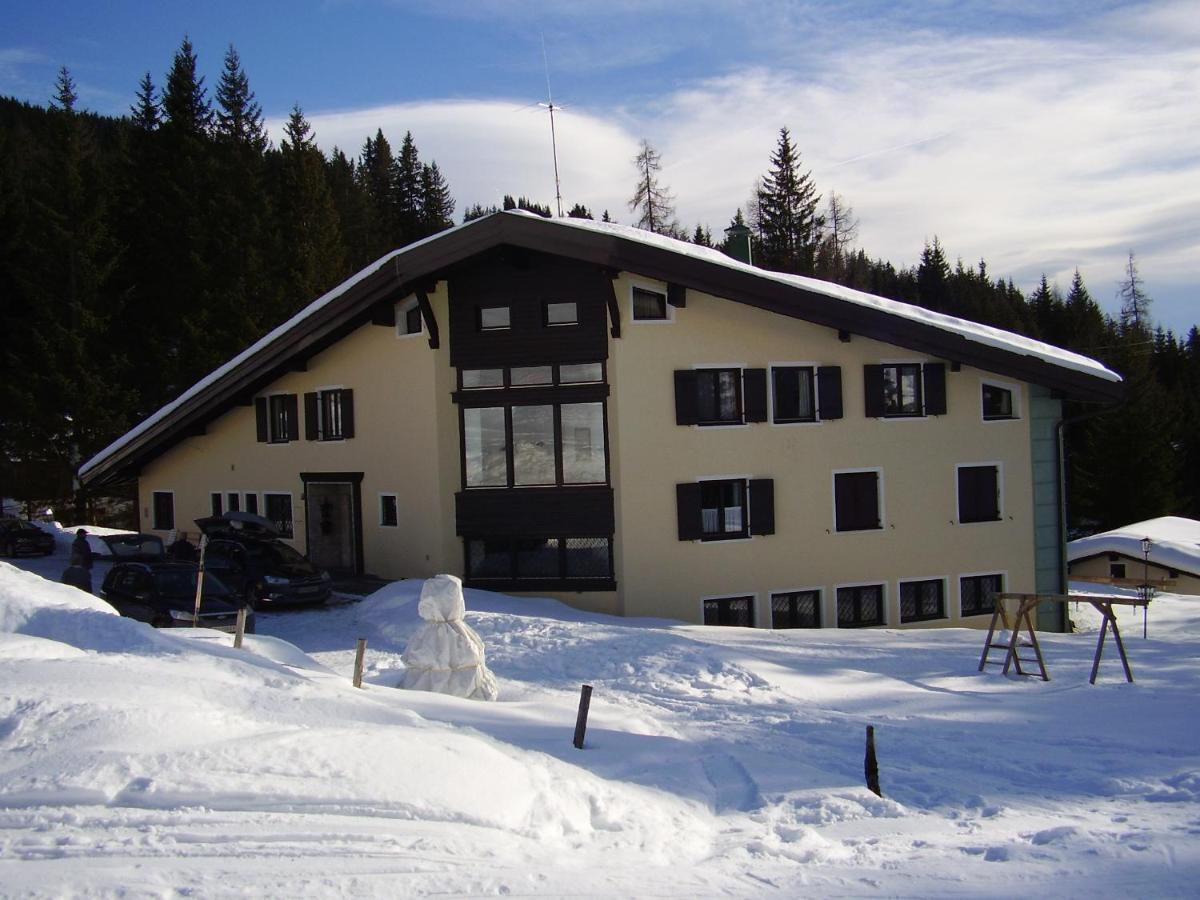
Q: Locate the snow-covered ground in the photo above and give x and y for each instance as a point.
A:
(719, 762)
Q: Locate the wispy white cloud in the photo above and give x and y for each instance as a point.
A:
(1037, 152)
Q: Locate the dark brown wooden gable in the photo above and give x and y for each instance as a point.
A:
(526, 281)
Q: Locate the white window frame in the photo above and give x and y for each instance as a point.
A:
(546, 304)
(771, 367)
(1012, 388)
(257, 502)
(885, 602)
(403, 307)
(944, 579)
(728, 595)
(320, 392)
(154, 511)
(1003, 573)
(819, 588)
(395, 497)
(741, 369)
(882, 495)
(291, 497)
(657, 288)
(999, 466)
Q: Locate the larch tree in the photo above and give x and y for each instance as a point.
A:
(651, 202)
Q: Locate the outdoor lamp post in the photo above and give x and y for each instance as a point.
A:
(1145, 583)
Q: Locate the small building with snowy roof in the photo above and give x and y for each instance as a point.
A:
(636, 425)
(1171, 554)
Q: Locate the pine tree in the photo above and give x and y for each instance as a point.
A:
(239, 117)
(579, 211)
(437, 206)
(653, 203)
(933, 278)
(478, 211)
(353, 206)
(784, 214)
(1084, 321)
(702, 237)
(406, 181)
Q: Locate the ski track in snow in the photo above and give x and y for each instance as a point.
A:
(718, 762)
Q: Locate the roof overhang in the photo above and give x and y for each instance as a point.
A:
(390, 278)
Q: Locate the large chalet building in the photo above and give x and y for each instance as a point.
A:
(635, 425)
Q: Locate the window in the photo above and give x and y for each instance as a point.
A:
(719, 396)
(922, 600)
(978, 493)
(214, 503)
(540, 559)
(796, 609)
(793, 393)
(735, 611)
(649, 306)
(581, 373)
(279, 511)
(546, 444)
(997, 402)
(725, 509)
(252, 503)
(856, 501)
(561, 313)
(388, 516)
(860, 605)
(1116, 570)
(277, 418)
(493, 318)
(723, 512)
(233, 501)
(528, 376)
(408, 318)
(482, 378)
(164, 511)
(329, 415)
(975, 593)
(905, 390)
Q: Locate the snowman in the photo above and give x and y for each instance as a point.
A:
(445, 654)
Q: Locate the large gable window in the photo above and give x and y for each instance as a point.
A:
(904, 390)
(534, 445)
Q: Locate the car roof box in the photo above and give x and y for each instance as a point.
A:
(238, 522)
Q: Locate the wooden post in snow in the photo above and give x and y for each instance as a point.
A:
(199, 582)
(241, 629)
(585, 701)
(359, 655)
(871, 765)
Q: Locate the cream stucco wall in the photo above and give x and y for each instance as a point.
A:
(659, 575)
(403, 419)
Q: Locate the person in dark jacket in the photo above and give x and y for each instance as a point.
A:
(79, 572)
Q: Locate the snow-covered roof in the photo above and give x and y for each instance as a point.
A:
(629, 249)
(1174, 543)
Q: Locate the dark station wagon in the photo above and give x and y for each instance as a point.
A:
(164, 594)
(245, 552)
(19, 538)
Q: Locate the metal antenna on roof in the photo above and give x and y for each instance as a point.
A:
(549, 104)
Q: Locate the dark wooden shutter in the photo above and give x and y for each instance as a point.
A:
(347, 413)
(868, 500)
(762, 506)
(754, 394)
(856, 501)
(687, 508)
(873, 391)
(978, 494)
(293, 417)
(677, 295)
(935, 389)
(311, 432)
(843, 502)
(686, 412)
(260, 418)
(829, 392)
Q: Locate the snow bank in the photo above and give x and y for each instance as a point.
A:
(1174, 543)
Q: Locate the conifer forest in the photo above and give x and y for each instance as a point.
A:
(139, 253)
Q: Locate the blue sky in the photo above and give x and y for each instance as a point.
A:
(1042, 136)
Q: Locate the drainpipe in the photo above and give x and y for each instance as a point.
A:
(1061, 429)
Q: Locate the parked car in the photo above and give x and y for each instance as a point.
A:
(245, 552)
(164, 594)
(19, 538)
(131, 547)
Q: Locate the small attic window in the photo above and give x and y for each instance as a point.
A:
(649, 306)
(493, 318)
(408, 317)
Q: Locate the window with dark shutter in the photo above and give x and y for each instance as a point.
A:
(895, 390)
(347, 413)
(260, 419)
(725, 509)
(685, 397)
(282, 413)
(723, 513)
(754, 386)
(736, 612)
(762, 506)
(793, 395)
(934, 378)
(388, 513)
(687, 511)
(719, 397)
(856, 501)
(829, 392)
(214, 503)
(164, 511)
(312, 422)
(978, 494)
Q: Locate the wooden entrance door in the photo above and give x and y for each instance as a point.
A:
(332, 518)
